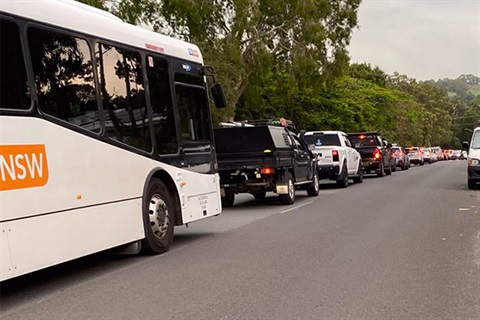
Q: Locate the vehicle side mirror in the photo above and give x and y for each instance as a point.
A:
(466, 145)
(218, 95)
(389, 145)
(311, 147)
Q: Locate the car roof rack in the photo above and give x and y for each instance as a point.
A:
(233, 124)
(282, 122)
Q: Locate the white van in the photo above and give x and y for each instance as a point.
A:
(473, 158)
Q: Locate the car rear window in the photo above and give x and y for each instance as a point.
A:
(321, 139)
(363, 140)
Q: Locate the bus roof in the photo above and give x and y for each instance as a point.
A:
(82, 18)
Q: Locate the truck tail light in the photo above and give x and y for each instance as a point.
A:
(376, 154)
(335, 155)
(267, 171)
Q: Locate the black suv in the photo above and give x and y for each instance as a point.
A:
(261, 158)
(375, 152)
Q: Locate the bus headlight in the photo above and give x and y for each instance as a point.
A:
(473, 162)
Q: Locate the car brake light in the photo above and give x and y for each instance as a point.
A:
(361, 136)
(335, 155)
(376, 154)
(267, 171)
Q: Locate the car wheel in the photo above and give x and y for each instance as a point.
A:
(422, 163)
(229, 199)
(259, 195)
(389, 170)
(158, 218)
(314, 189)
(342, 181)
(471, 184)
(289, 198)
(359, 177)
(381, 171)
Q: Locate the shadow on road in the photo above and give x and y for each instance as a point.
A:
(71, 271)
(181, 239)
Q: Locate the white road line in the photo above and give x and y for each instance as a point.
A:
(294, 208)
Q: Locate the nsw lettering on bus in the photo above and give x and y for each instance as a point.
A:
(23, 166)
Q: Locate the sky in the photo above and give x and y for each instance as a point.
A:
(423, 39)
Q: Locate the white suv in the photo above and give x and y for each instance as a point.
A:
(337, 159)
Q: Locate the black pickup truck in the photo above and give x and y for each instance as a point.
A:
(257, 159)
(375, 152)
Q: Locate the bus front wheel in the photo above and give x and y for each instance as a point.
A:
(158, 218)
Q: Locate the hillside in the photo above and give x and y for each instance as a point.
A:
(466, 86)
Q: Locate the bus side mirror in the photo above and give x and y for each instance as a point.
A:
(218, 96)
(465, 145)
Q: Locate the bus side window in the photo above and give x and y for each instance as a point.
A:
(162, 107)
(64, 77)
(14, 92)
(123, 96)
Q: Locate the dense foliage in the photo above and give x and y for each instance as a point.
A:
(289, 59)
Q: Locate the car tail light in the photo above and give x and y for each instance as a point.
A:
(267, 171)
(335, 155)
(400, 154)
(376, 154)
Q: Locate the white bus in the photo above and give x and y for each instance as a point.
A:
(105, 135)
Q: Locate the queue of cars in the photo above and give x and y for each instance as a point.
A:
(267, 156)
(422, 155)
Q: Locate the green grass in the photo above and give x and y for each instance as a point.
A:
(475, 91)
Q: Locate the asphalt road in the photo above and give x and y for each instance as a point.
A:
(405, 246)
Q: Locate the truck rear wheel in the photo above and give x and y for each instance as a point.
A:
(471, 184)
(289, 198)
(313, 190)
(389, 170)
(359, 177)
(342, 181)
(229, 199)
(381, 171)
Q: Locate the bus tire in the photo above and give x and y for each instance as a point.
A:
(158, 218)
